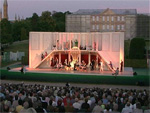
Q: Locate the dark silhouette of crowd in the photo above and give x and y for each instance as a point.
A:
(25, 98)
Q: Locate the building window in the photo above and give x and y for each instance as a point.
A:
(107, 27)
(118, 18)
(97, 18)
(93, 27)
(122, 27)
(118, 27)
(93, 18)
(107, 18)
(112, 27)
(122, 18)
(103, 27)
(103, 18)
(112, 18)
(97, 27)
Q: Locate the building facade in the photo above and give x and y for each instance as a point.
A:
(101, 20)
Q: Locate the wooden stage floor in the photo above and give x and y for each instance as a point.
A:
(128, 71)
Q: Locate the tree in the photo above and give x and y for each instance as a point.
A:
(35, 22)
(17, 27)
(137, 48)
(46, 22)
(6, 31)
(59, 18)
(23, 34)
(143, 25)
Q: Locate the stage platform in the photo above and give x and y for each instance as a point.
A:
(128, 71)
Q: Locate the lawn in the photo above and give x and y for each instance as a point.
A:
(22, 46)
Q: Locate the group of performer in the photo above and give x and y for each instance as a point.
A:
(69, 65)
(43, 55)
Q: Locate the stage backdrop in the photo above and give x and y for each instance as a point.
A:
(109, 45)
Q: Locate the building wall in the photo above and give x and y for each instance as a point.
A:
(78, 23)
(130, 27)
(105, 22)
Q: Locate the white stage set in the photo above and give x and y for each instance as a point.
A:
(105, 47)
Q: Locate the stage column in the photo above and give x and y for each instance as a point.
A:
(69, 56)
(59, 57)
(89, 59)
(79, 40)
(97, 61)
(97, 42)
(92, 42)
(80, 58)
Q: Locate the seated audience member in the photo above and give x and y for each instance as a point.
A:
(138, 108)
(85, 107)
(127, 109)
(98, 108)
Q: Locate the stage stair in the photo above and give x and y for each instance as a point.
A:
(44, 59)
(107, 60)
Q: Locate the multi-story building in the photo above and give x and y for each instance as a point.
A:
(103, 20)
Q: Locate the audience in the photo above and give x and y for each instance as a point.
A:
(25, 98)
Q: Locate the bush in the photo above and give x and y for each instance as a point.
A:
(137, 63)
(137, 48)
(25, 60)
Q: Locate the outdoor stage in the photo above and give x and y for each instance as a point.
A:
(128, 71)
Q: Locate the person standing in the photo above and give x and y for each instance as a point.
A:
(101, 66)
(42, 57)
(45, 54)
(121, 66)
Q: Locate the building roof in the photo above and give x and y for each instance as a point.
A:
(98, 11)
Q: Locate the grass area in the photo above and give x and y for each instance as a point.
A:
(4, 64)
(88, 79)
(142, 71)
(22, 46)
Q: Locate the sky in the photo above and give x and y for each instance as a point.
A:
(25, 8)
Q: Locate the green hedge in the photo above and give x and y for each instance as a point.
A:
(137, 63)
(25, 60)
(137, 48)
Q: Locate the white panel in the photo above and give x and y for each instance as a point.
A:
(47, 41)
(105, 42)
(99, 42)
(115, 43)
(35, 41)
